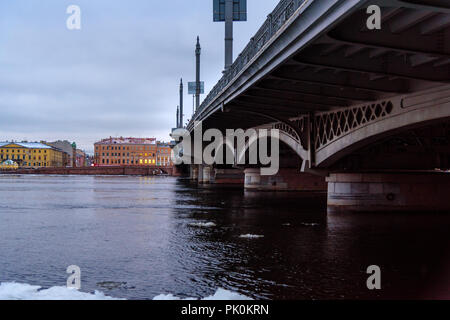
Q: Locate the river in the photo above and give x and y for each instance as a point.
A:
(142, 237)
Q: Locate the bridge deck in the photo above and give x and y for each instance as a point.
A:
(319, 56)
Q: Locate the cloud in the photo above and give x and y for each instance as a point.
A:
(119, 75)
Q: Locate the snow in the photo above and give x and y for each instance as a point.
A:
(221, 294)
(203, 224)
(22, 291)
(251, 236)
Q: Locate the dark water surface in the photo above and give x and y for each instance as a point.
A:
(138, 237)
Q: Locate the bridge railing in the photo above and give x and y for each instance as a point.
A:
(282, 12)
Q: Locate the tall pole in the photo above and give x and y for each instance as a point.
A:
(228, 33)
(181, 104)
(198, 51)
(178, 116)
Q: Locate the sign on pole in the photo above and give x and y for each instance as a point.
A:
(192, 88)
(239, 10)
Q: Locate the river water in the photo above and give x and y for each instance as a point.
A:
(141, 237)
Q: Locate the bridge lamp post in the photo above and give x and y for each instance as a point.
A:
(228, 11)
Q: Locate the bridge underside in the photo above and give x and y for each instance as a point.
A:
(349, 78)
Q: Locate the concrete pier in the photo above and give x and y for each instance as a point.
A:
(194, 173)
(229, 176)
(206, 175)
(408, 191)
(287, 179)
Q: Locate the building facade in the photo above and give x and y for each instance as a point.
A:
(31, 154)
(163, 156)
(81, 158)
(131, 152)
(67, 147)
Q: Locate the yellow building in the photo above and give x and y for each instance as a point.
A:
(31, 154)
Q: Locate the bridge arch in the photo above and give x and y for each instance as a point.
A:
(289, 140)
(393, 117)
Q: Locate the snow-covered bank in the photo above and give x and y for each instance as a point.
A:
(23, 291)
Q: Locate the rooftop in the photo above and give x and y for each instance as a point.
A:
(130, 140)
(29, 145)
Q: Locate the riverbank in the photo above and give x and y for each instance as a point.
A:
(110, 171)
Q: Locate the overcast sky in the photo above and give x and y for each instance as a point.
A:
(117, 76)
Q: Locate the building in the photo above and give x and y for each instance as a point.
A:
(81, 158)
(67, 147)
(163, 155)
(31, 154)
(131, 152)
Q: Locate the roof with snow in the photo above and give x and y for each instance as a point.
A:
(28, 145)
(130, 140)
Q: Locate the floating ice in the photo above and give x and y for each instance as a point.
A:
(310, 224)
(251, 236)
(203, 224)
(221, 294)
(22, 291)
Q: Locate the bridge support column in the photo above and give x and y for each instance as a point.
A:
(200, 173)
(287, 179)
(194, 172)
(418, 191)
(252, 179)
(205, 177)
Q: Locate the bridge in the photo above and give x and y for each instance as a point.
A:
(363, 113)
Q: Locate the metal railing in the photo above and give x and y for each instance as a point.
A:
(282, 12)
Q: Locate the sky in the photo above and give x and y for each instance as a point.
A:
(117, 76)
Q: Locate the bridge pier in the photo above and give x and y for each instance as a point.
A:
(194, 172)
(229, 176)
(287, 179)
(408, 191)
(205, 176)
